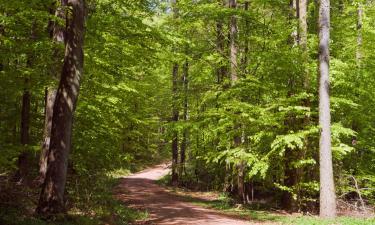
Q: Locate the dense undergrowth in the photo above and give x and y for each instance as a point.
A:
(90, 202)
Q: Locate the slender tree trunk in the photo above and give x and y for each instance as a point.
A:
(175, 115)
(234, 78)
(175, 112)
(221, 71)
(58, 36)
(290, 173)
(50, 95)
(220, 46)
(24, 157)
(25, 115)
(51, 199)
(233, 43)
(302, 17)
(245, 58)
(359, 35)
(185, 117)
(327, 187)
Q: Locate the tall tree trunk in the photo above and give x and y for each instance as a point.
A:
(25, 115)
(245, 58)
(359, 35)
(220, 46)
(50, 95)
(290, 172)
(58, 36)
(233, 43)
(24, 157)
(234, 78)
(51, 199)
(185, 118)
(302, 17)
(175, 115)
(175, 112)
(327, 187)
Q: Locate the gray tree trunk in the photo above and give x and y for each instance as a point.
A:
(175, 112)
(24, 157)
(327, 187)
(50, 96)
(175, 115)
(185, 118)
(52, 199)
(233, 43)
(58, 36)
(359, 35)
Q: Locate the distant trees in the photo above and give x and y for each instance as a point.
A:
(225, 88)
(263, 133)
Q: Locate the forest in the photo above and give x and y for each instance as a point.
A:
(120, 112)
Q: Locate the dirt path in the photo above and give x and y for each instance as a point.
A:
(140, 191)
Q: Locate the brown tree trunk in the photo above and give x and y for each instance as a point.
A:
(327, 187)
(302, 17)
(24, 157)
(233, 43)
(175, 112)
(25, 116)
(51, 199)
(175, 115)
(185, 118)
(50, 95)
(359, 35)
(58, 36)
(220, 48)
(245, 58)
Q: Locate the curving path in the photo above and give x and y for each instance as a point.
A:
(140, 191)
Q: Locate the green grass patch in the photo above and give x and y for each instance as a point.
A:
(261, 212)
(252, 212)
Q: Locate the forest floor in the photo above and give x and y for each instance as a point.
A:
(140, 191)
(171, 206)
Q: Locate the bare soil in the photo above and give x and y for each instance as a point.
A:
(141, 192)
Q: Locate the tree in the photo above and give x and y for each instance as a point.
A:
(52, 199)
(327, 188)
(57, 33)
(184, 141)
(175, 115)
(233, 30)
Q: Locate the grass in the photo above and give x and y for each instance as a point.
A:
(224, 204)
(259, 212)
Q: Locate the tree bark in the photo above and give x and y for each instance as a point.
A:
(58, 36)
(51, 199)
(233, 43)
(24, 157)
(359, 35)
(50, 95)
(302, 17)
(245, 58)
(327, 187)
(220, 46)
(175, 115)
(25, 116)
(185, 118)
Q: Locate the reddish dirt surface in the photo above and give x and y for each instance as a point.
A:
(141, 192)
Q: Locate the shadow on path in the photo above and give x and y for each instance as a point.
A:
(141, 192)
